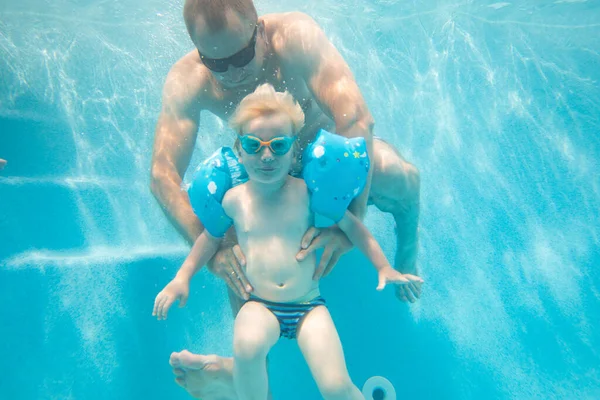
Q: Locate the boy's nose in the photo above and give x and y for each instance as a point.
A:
(266, 155)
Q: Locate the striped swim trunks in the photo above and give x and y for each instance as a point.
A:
(289, 314)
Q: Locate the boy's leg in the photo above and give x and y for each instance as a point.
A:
(207, 377)
(320, 344)
(256, 330)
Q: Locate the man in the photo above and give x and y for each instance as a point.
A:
(235, 52)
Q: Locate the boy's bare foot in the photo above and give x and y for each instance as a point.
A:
(204, 377)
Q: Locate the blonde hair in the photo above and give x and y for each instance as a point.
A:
(266, 101)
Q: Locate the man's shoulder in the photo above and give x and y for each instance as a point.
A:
(283, 19)
(188, 79)
(288, 30)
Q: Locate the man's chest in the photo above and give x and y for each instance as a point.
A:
(226, 100)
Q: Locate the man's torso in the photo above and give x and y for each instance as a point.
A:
(222, 101)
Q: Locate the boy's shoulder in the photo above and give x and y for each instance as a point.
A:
(235, 192)
(298, 185)
(232, 198)
(296, 181)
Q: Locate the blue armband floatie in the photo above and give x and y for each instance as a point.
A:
(212, 179)
(335, 171)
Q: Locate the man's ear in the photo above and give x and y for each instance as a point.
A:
(262, 31)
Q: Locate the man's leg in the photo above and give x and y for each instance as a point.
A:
(395, 189)
(320, 344)
(204, 377)
(207, 377)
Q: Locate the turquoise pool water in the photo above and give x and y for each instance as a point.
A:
(497, 103)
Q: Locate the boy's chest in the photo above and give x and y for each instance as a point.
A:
(274, 217)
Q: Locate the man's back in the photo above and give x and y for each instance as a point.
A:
(270, 229)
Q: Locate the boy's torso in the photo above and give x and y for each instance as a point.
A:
(270, 230)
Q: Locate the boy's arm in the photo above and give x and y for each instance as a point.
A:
(203, 250)
(207, 245)
(178, 289)
(229, 251)
(360, 237)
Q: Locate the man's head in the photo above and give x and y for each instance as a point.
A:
(267, 123)
(230, 40)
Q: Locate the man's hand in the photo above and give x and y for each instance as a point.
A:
(332, 240)
(410, 292)
(227, 264)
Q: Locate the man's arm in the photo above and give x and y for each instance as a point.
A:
(330, 80)
(173, 147)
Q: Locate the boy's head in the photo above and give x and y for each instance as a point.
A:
(267, 123)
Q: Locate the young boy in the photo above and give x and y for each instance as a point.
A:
(271, 212)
